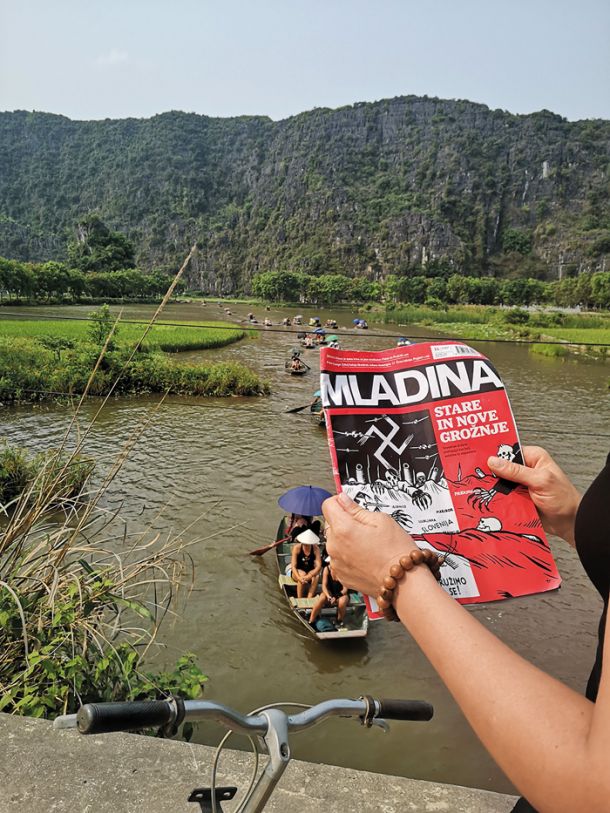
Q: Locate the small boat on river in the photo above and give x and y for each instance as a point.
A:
(355, 623)
(316, 410)
(296, 366)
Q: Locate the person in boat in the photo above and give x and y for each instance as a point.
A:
(306, 563)
(286, 321)
(267, 322)
(316, 404)
(334, 594)
(295, 363)
(520, 713)
(403, 342)
(298, 320)
(309, 342)
(299, 523)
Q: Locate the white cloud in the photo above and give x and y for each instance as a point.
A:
(112, 58)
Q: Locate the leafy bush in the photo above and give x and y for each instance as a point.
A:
(517, 316)
(434, 303)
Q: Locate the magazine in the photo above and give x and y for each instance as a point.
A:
(410, 431)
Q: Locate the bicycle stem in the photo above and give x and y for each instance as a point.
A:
(276, 742)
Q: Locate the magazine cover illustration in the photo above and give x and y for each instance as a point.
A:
(410, 430)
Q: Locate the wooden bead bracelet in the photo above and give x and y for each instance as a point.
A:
(419, 556)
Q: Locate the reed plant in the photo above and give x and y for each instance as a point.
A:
(81, 595)
(81, 599)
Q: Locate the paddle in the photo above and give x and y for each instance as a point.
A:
(265, 548)
(297, 409)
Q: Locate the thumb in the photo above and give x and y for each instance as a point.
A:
(512, 471)
(341, 507)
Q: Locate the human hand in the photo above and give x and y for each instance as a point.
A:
(362, 544)
(554, 496)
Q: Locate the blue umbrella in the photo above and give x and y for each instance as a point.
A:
(355, 321)
(304, 500)
(317, 394)
(320, 330)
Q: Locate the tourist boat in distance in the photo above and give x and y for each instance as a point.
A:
(356, 622)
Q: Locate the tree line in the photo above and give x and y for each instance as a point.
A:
(52, 281)
(101, 265)
(585, 290)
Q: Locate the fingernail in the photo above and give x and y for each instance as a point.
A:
(344, 499)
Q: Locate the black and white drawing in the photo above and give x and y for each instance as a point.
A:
(391, 463)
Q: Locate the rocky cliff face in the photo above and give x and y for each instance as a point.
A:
(385, 187)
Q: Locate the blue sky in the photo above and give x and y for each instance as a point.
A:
(116, 58)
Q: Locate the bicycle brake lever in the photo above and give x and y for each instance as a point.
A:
(381, 724)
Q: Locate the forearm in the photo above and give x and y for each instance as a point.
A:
(535, 728)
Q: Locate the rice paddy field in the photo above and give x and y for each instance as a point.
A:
(166, 337)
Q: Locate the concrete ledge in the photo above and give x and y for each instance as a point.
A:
(46, 770)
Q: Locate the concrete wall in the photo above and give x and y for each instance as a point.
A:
(45, 770)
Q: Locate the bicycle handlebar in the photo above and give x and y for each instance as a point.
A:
(99, 718)
(405, 710)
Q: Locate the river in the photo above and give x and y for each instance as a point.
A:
(219, 465)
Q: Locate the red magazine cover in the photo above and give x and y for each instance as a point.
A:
(410, 430)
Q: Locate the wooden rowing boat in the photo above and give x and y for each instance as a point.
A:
(296, 371)
(356, 621)
(317, 414)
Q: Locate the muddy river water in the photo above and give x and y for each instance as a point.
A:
(219, 465)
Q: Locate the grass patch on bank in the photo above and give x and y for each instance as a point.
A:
(551, 350)
(167, 338)
(31, 372)
(98, 356)
(566, 332)
(580, 335)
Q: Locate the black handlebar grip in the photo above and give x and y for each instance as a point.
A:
(405, 710)
(102, 718)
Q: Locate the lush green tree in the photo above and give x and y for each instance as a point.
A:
(276, 286)
(96, 248)
(600, 289)
(522, 291)
(334, 288)
(363, 290)
(437, 289)
(413, 289)
(458, 289)
(517, 240)
(483, 290)
(51, 280)
(102, 322)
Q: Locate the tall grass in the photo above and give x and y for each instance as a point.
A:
(82, 596)
(81, 599)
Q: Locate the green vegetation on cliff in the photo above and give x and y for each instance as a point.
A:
(368, 190)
